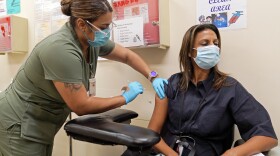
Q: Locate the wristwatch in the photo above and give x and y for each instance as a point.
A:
(152, 75)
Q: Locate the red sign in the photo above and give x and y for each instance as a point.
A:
(124, 3)
(5, 34)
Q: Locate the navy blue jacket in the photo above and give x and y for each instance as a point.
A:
(209, 115)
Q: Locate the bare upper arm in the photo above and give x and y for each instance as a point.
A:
(119, 53)
(74, 94)
(159, 114)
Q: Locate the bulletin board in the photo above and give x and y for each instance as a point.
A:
(5, 34)
(137, 22)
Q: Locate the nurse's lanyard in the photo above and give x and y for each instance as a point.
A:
(92, 82)
(92, 79)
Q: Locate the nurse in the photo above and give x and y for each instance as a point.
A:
(58, 77)
(203, 104)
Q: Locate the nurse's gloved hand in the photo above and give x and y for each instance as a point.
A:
(158, 84)
(133, 89)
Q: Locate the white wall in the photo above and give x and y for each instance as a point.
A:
(250, 55)
(10, 63)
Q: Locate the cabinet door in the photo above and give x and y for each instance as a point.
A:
(5, 34)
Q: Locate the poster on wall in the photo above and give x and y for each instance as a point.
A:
(3, 8)
(8, 7)
(225, 14)
(13, 6)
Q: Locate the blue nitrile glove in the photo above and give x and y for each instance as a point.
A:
(134, 88)
(158, 84)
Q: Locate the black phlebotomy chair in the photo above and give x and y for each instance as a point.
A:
(112, 128)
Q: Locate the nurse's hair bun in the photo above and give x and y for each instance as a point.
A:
(66, 7)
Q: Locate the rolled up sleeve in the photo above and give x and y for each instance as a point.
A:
(251, 118)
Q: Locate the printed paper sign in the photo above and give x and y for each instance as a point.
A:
(225, 14)
(129, 32)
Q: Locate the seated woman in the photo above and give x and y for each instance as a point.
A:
(203, 104)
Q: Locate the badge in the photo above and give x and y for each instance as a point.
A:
(179, 148)
(92, 87)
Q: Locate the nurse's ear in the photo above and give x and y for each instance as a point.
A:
(81, 24)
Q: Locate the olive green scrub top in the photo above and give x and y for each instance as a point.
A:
(32, 99)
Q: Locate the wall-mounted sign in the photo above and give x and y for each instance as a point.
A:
(8, 7)
(225, 14)
(129, 32)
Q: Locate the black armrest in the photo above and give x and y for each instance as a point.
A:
(116, 115)
(107, 129)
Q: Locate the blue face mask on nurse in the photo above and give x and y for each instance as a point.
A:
(100, 36)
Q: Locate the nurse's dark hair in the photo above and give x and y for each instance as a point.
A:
(86, 9)
(185, 61)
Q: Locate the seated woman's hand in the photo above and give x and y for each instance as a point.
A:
(233, 152)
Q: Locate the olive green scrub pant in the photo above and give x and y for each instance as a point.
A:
(11, 144)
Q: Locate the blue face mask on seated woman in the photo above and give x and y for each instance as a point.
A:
(100, 36)
(207, 56)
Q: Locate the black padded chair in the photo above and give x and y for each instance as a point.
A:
(112, 128)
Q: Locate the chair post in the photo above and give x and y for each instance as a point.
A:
(70, 139)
